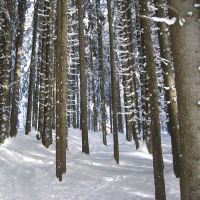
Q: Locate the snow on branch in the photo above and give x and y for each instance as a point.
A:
(160, 19)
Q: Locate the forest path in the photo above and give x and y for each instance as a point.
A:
(27, 171)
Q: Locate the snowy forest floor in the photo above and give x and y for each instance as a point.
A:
(27, 171)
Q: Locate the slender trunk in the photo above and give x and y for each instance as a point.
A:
(101, 68)
(113, 83)
(83, 80)
(154, 106)
(94, 98)
(131, 64)
(144, 82)
(42, 81)
(171, 90)
(119, 115)
(36, 94)
(32, 71)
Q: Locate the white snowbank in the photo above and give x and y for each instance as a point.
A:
(27, 171)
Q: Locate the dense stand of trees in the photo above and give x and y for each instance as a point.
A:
(108, 66)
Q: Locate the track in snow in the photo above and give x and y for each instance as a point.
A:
(27, 171)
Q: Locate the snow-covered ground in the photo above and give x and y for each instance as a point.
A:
(27, 171)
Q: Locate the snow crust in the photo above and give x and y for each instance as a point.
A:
(27, 171)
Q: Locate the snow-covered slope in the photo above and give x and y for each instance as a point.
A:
(27, 171)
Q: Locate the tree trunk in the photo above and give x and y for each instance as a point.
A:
(42, 78)
(119, 105)
(83, 80)
(5, 47)
(17, 70)
(131, 63)
(154, 106)
(102, 70)
(32, 71)
(94, 98)
(61, 89)
(47, 130)
(170, 85)
(186, 50)
(144, 83)
(113, 82)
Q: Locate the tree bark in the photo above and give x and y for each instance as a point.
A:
(42, 77)
(102, 70)
(47, 131)
(5, 47)
(186, 50)
(61, 89)
(113, 83)
(83, 80)
(32, 71)
(154, 106)
(17, 70)
(170, 85)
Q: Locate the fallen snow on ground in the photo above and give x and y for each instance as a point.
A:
(27, 171)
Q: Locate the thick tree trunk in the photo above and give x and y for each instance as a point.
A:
(47, 130)
(61, 89)
(5, 47)
(186, 50)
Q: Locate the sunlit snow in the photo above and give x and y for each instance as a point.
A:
(27, 171)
